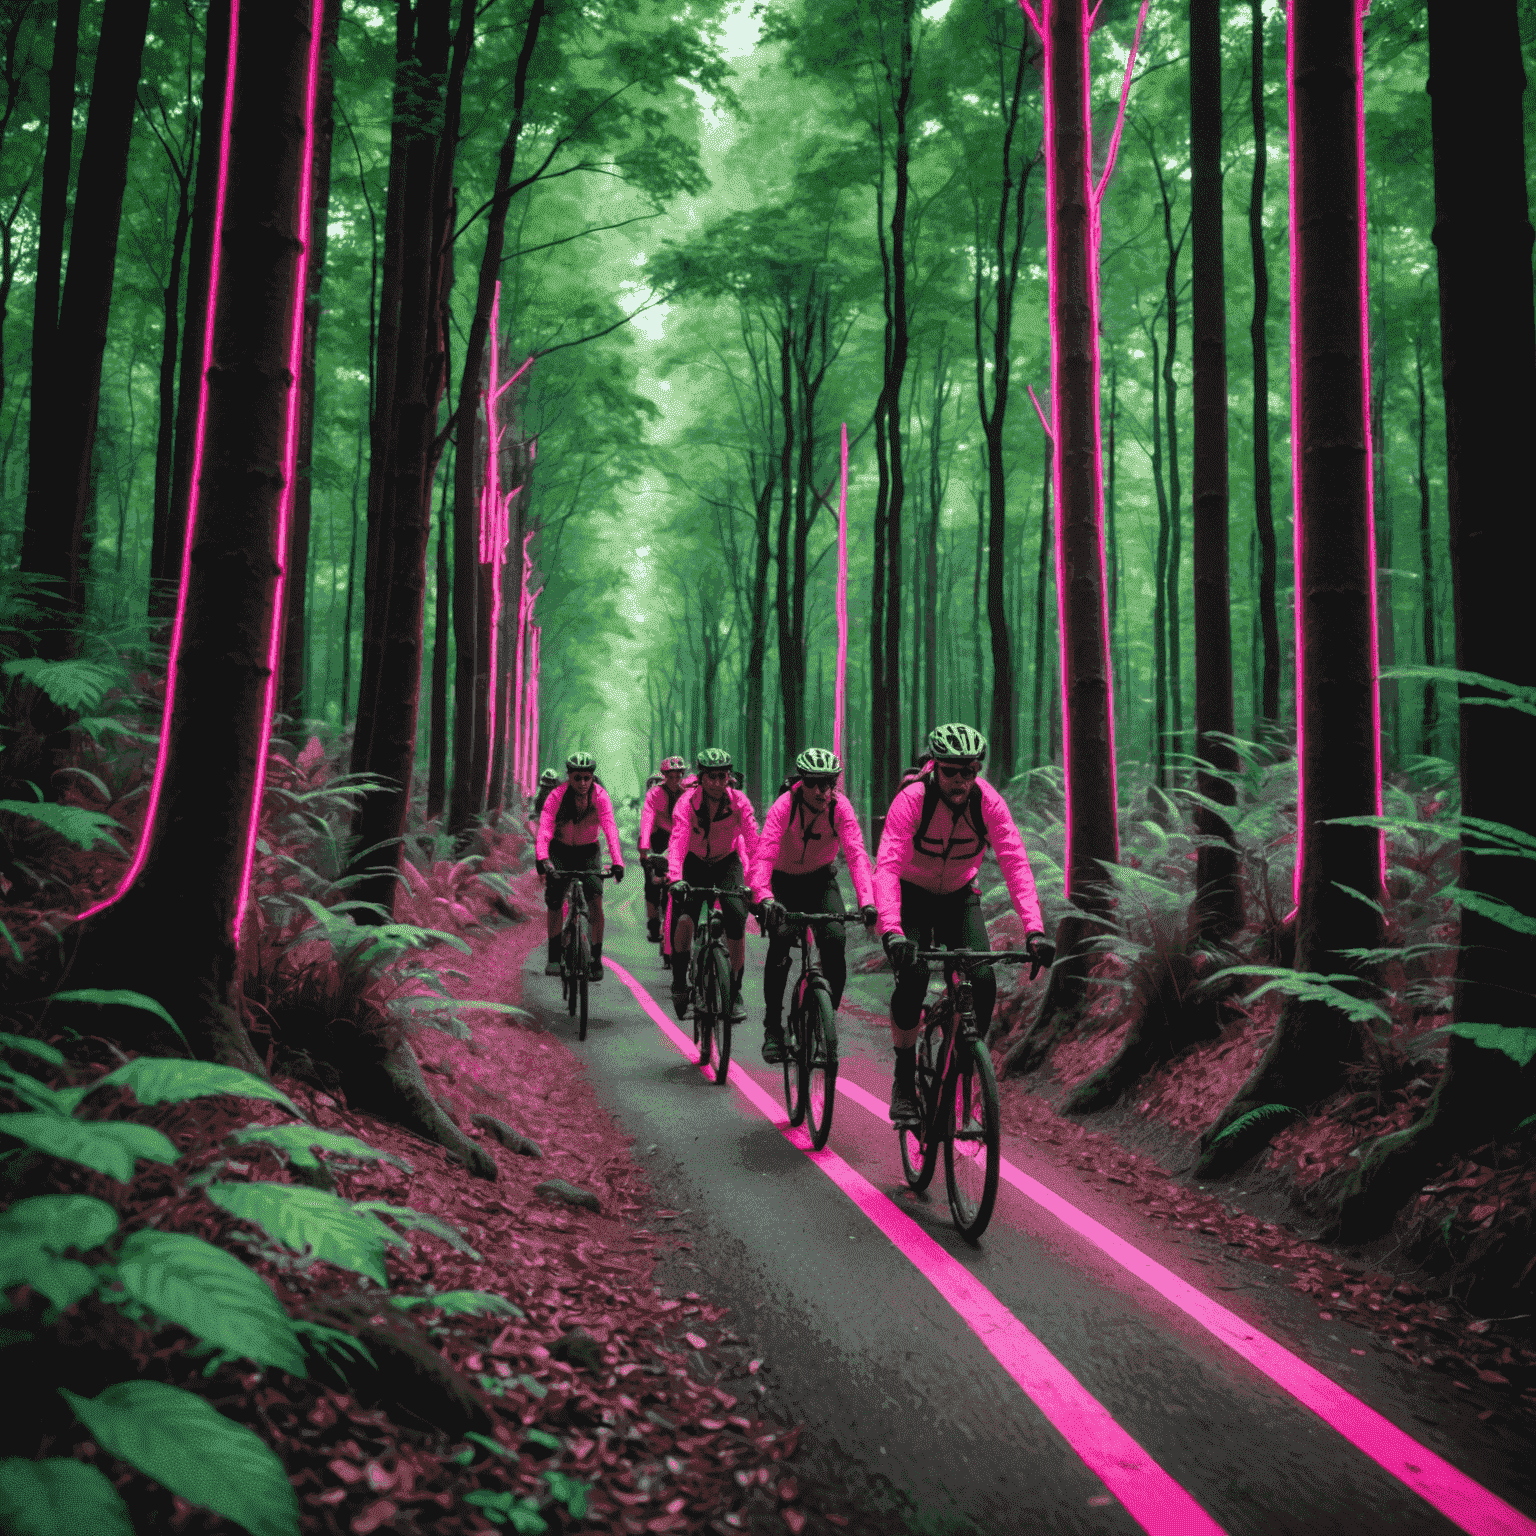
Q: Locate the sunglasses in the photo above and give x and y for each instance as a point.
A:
(581, 778)
(955, 771)
(819, 783)
(715, 775)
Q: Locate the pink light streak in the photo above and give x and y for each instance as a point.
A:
(178, 625)
(290, 453)
(841, 696)
(519, 774)
(533, 699)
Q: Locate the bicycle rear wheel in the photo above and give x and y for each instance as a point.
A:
(720, 969)
(821, 1064)
(972, 1147)
(794, 1066)
(919, 1158)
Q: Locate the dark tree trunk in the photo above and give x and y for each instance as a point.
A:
(346, 621)
(470, 698)
(1159, 589)
(437, 750)
(1219, 902)
(1337, 725)
(1174, 575)
(1488, 365)
(879, 684)
(757, 644)
(1258, 330)
(161, 553)
(59, 480)
(789, 662)
(291, 693)
(977, 674)
(1040, 750)
(53, 214)
(1430, 727)
(1381, 519)
(195, 876)
(166, 557)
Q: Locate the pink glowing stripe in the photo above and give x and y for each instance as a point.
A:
(1125, 96)
(492, 524)
(290, 455)
(533, 693)
(1151, 1497)
(1290, 118)
(519, 735)
(842, 604)
(1465, 1502)
(178, 625)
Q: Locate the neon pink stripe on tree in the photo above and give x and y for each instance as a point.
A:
(519, 734)
(178, 625)
(840, 695)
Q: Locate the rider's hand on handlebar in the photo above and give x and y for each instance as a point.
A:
(899, 950)
(868, 916)
(617, 871)
(770, 914)
(1042, 953)
(546, 867)
(679, 890)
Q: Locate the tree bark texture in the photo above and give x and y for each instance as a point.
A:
(437, 748)
(1159, 585)
(1219, 902)
(1337, 720)
(1430, 725)
(59, 480)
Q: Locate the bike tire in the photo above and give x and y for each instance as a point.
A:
(720, 966)
(568, 971)
(703, 1031)
(919, 1157)
(821, 1065)
(794, 1064)
(972, 1143)
(583, 964)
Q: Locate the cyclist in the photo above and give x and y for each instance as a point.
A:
(708, 822)
(566, 848)
(655, 829)
(547, 781)
(795, 870)
(935, 833)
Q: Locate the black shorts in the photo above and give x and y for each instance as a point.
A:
(574, 858)
(723, 874)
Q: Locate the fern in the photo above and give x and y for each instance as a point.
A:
(460, 1304)
(107, 1146)
(120, 998)
(1309, 987)
(294, 1142)
(170, 1080)
(85, 829)
(1260, 1116)
(337, 1347)
(311, 1221)
(70, 684)
(1516, 1043)
(422, 1221)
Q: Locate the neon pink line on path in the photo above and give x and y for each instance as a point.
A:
(1151, 1497)
(1458, 1497)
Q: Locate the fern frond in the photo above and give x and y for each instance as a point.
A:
(71, 684)
(1259, 1116)
(85, 829)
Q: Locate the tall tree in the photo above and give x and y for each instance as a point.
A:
(1483, 238)
(1430, 725)
(63, 434)
(1219, 902)
(1338, 877)
(16, 71)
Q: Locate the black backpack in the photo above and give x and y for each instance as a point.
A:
(931, 804)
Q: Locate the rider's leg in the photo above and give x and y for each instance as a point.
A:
(830, 943)
(971, 933)
(554, 901)
(906, 1005)
(733, 915)
(684, 916)
(595, 905)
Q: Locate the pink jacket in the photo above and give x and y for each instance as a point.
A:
(578, 831)
(795, 842)
(656, 811)
(950, 855)
(714, 839)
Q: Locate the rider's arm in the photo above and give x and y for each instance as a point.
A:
(851, 838)
(748, 827)
(760, 878)
(547, 822)
(647, 819)
(682, 830)
(1011, 857)
(609, 825)
(895, 845)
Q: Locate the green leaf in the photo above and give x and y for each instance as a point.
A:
(1518, 1044)
(110, 1147)
(62, 1281)
(59, 1497)
(119, 999)
(36, 1094)
(10, 939)
(172, 1080)
(85, 829)
(409, 1218)
(96, 726)
(39, 1048)
(1309, 987)
(295, 1142)
(544, 1438)
(568, 1491)
(461, 1303)
(333, 1344)
(1499, 912)
(1259, 1116)
(191, 1449)
(73, 684)
(310, 1220)
(507, 1509)
(493, 1445)
(209, 1292)
(1515, 697)
(57, 1223)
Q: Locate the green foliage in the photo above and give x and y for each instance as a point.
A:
(119, 998)
(210, 1293)
(70, 684)
(460, 1304)
(1309, 987)
(39, 1048)
(568, 1491)
(59, 1497)
(295, 1142)
(312, 1222)
(109, 1147)
(369, 949)
(1518, 1044)
(334, 1345)
(167, 1080)
(189, 1447)
(420, 1221)
(85, 829)
(36, 1233)
(1263, 1115)
(522, 1514)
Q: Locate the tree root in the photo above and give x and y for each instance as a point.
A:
(1062, 1006)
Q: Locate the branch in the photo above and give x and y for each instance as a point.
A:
(1034, 20)
(594, 229)
(593, 336)
(1045, 426)
(1125, 96)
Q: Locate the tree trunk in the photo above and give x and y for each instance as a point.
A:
(296, 587)
(1488, 365)
(1159, 591)
(879, 712)
(1040, 751)
(1219, 902)
(977, 677)
(1381, 518)
(470, 701)
(758, 643)
(1174, 577)
(437, 750)
(59, 481)
(789, 662)
(1258, 330)
(1337, 720)
(1430, 727)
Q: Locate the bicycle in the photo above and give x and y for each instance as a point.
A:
(810, 1033)
(576, 949)
(957, 1095)
(654, 866)
(709, 984)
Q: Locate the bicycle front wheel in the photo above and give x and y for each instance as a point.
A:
(821, 1064)
(972, 1147)
(583, 965)
(569, 955)
(919, 1157)
(794, 1066)
(720, 968)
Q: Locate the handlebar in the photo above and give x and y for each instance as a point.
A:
(965, 959)
(821, 917)
(713, 890)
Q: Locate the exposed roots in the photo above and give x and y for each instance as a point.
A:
(1062, 1007)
